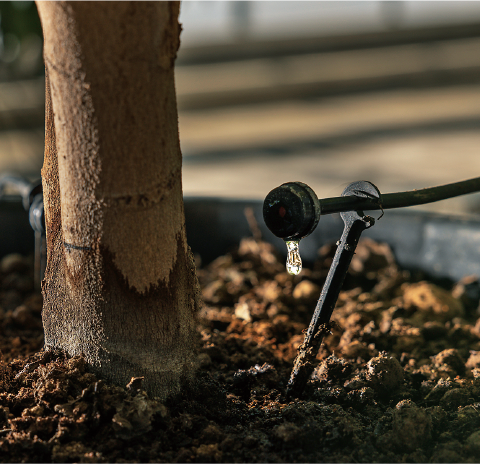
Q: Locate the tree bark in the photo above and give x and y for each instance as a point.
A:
(120, 284)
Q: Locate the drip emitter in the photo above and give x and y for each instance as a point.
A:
(292, 211)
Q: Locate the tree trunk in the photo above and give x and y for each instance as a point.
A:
(120, 285)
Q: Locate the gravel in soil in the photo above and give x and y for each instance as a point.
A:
(398, 377)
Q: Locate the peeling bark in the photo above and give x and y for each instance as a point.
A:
(120, 285)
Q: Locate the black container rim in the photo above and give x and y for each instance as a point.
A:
(442, 246)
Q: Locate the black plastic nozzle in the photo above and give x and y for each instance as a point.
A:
(291, 211)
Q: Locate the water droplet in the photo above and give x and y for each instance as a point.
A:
(294, 262)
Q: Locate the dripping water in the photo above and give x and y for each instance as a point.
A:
(294, 262)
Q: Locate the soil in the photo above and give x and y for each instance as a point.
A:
(398, 377)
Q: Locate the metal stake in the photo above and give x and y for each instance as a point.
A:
(355, 223)
(292, 211)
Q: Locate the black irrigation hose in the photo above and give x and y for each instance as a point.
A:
(400, 199)
(27, 190)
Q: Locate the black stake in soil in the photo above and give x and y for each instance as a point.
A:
(292, 212)
(355, 223)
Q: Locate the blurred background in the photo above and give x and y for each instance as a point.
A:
(269, 92)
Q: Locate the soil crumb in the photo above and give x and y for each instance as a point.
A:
(397, 379)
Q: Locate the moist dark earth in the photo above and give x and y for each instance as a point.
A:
(398, 378)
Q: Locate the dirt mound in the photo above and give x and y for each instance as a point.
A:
(398, 378)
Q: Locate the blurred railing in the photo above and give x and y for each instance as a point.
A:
(244, 21)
